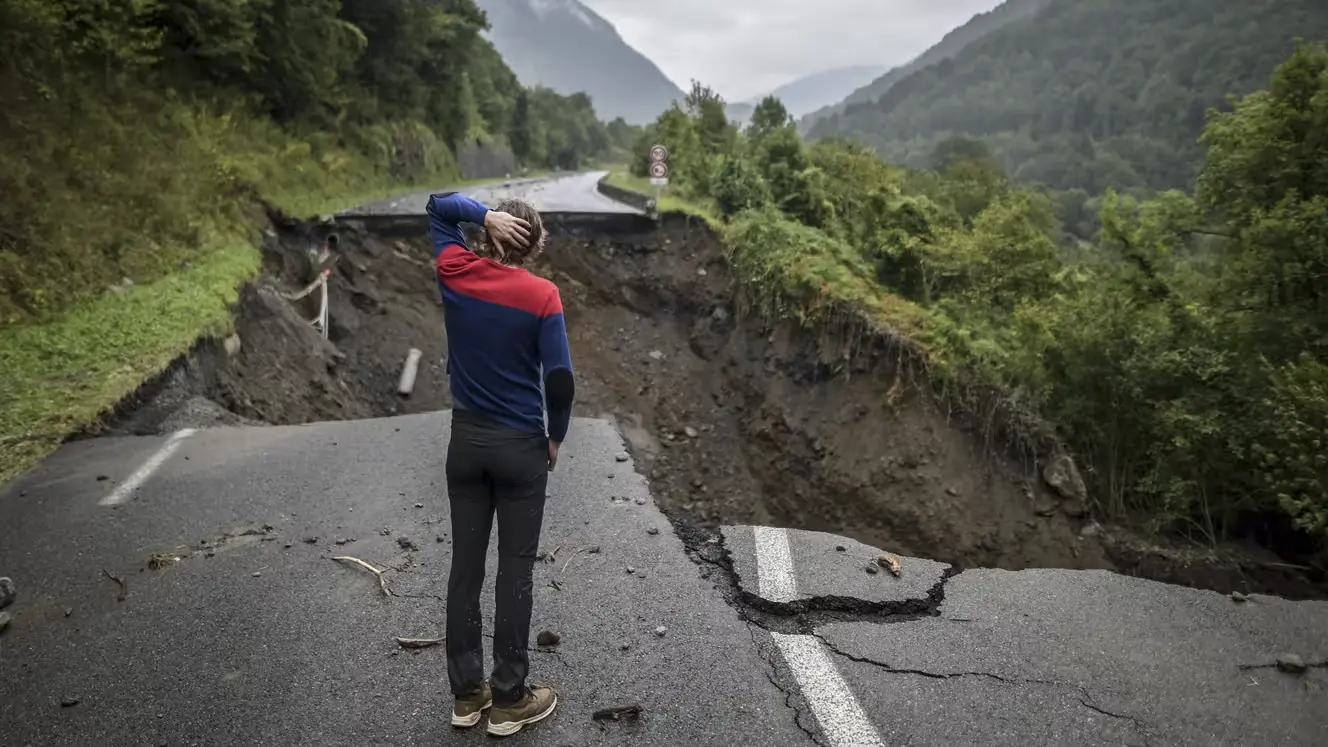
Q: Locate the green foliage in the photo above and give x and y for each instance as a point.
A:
(1183, 356)
(133, 127)
(1087, 95)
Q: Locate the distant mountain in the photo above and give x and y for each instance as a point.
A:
(1089, 94)
(811, 92)
(952, 44)
(566, 46)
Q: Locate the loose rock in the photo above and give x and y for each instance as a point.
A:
(661, 631)
(840, 548)
(640, 501)
(1291, 664)
(690, 432)
(594, 550)
(872, 569)
(8, 591)
(631, 569)
(1236, 596)
(621, 456)
(69, 702)
(652, 531)
(548, 638)
(406, 543)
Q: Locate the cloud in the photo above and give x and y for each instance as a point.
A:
(744, 48)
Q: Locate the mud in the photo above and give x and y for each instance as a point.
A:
(733, 420)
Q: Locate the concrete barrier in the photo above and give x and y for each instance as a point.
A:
(642, 202)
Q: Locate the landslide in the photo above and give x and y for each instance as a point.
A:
(733, 419)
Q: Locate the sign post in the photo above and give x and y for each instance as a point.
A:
(659, 170)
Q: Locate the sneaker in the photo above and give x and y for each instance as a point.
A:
(536, 705)
(467, 711)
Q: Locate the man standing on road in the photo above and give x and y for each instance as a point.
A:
(508, 358)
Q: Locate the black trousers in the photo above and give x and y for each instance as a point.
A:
(492, 469)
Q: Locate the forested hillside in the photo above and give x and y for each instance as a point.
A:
(1182, 358)
(133, 130)
(1090, 94)
(140, 141)
(952, 44)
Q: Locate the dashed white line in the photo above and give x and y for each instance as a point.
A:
(125, 489)
(836, 709)
(774, 565)
(841, 719)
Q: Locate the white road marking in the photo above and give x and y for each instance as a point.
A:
(836, 709)
(125, 489)
(774, 565)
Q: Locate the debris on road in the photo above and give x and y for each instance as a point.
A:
(889, 563)
(661, 631)
(69, 702)
(161, 560)
(652, 531)
(8, 591)
(617, 713)
(419, 642)
(871, 569)
(593, 550)
(1236, 596)
(1291, 664)
(310, 540)
(621, 456)
(406, 544)
(382, 582)
(124, 588)
(548, 638)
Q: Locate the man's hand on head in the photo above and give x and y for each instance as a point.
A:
(507, 230)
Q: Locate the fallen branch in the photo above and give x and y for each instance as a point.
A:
(124, 588)
(382, 582)
(419, 642)
(617, 713)
(569, 561)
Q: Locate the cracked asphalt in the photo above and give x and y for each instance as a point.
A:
(249, 632)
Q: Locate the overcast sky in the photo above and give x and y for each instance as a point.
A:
(745, 48)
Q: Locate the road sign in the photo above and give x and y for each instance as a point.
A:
(658, 154)
(663, 182)
(659, 170)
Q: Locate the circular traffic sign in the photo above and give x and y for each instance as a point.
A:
(659, 153)
(659, 170)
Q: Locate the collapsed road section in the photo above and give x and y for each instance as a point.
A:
(734, 420)
(309, 611)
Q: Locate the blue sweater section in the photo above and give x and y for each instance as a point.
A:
(506, 334)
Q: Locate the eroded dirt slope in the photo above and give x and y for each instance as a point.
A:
(733, 420)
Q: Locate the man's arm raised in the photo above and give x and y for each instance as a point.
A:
(447, 211)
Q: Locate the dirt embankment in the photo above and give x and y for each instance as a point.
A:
(733, 420)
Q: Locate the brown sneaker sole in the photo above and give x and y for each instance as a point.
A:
(508, 728)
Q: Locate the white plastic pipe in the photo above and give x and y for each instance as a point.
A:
(409, 372)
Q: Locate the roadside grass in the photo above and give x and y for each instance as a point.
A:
(63, 374)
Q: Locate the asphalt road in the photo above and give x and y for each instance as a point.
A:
(573, 193)
(263, 639)
(251, 634)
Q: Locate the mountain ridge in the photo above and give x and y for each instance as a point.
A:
(568, 47)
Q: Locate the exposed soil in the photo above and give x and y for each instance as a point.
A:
(734, 421)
